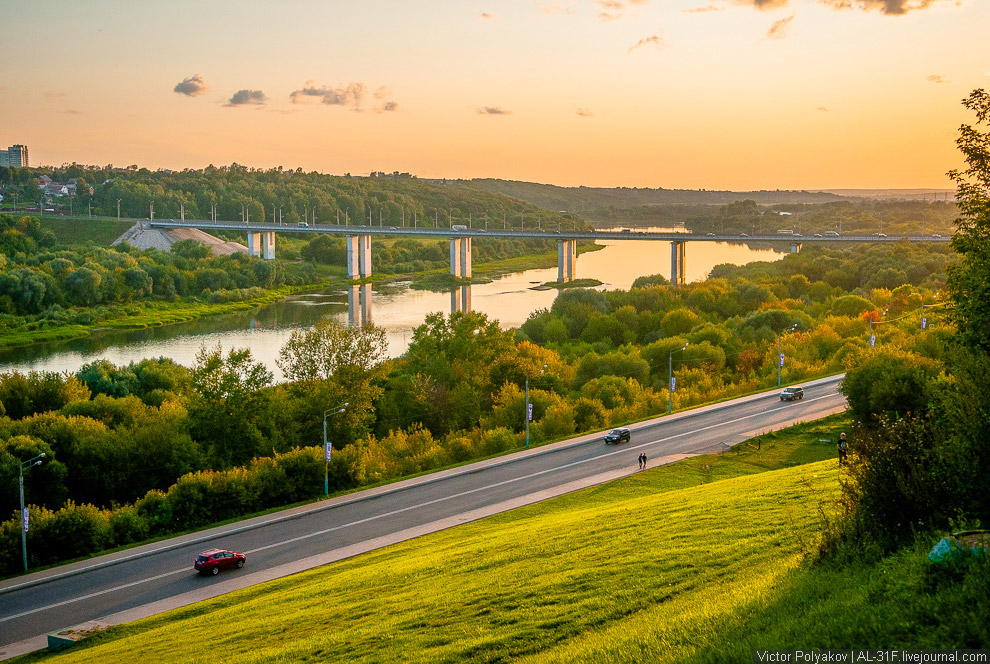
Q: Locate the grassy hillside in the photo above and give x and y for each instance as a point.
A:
(670, 565)
(80, 230)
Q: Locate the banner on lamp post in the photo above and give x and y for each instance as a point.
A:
(25, 519)
(873, 340)
(529, 412)
(673, 384)
(781, 360)
(328, 450)
(924, 322)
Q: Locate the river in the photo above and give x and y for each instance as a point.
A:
(508, 299)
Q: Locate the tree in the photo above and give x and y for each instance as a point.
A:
(230, 412)
(103, 377)
(331, 350)
(332, 364)
(969, 282)
(890, 383)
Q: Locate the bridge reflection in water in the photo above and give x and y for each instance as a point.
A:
(359, 303)
(460, 299)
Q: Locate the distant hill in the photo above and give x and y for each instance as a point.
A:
(898, 194)
(583, 199)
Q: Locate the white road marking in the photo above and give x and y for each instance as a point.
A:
(91, 595)
(403, 509)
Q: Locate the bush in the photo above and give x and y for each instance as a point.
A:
(888, 382)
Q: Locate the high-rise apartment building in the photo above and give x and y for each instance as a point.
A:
(17, 156)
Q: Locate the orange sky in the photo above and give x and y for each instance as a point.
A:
(670, 93)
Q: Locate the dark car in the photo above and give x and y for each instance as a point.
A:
(214, 560)
(792, 393)
(616, 436)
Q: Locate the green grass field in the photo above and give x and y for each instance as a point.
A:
(697, 561)
(80, 230)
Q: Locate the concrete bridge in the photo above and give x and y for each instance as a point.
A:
(261, 241)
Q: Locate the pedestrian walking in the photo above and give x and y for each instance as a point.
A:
(843, 449)
(644, 460)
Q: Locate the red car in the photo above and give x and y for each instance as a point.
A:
(214, 560)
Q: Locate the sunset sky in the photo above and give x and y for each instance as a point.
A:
(734, 94)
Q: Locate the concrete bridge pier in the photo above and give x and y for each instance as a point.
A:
(677, 256)
(466, 257)
(358, 256)
(566, 260)
(254, 244)
(795, 247)
(460, 257)
(364, 255)
(268, 246)
(455, 256)
(351, 245)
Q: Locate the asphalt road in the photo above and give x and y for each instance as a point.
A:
(52, 600)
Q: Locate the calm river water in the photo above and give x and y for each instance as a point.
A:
(394, 307)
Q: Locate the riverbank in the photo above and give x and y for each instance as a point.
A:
(141, 315)
(149, 314)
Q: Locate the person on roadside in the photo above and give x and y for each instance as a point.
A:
(644, 460)
(843, 449)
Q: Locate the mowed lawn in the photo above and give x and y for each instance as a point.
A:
(652, 568)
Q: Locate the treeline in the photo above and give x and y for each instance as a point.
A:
(746, 216)
(583, 200)
(204, 443)
(236, 192)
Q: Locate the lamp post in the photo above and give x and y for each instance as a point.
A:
(528, 414)
(328, 447)
(873, 339)
(34, 461)
(670, 377)
(780, 356)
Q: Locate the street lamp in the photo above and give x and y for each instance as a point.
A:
(529, 408)
(873, 339)
(328, 447)
(780, 356)
(670, 377)
(34, 461)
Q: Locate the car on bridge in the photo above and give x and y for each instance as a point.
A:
(616, 436)
(214, 560)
